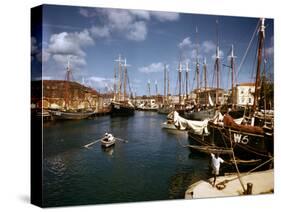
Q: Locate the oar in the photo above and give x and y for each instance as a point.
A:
(92, 143)
(120, 139)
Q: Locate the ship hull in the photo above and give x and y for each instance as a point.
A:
(200, 115)
(71, 115)
(165, 110)
(246, 145)
(122, 110)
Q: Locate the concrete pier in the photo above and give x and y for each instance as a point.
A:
(262, 182)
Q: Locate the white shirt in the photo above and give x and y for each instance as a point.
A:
(216, 162)
(110, 137)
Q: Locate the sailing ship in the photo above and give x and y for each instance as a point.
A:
(68, 113)
(246, 140)
(121, 105)
(206, 109)
(151, 102)
(166, 106)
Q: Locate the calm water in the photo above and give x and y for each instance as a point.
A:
(151, 166)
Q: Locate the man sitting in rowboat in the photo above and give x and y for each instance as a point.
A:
(110, 137)
(106, 136)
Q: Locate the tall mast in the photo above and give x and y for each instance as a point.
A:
(186, 80)
(165, 82)
(115, 75)
(168, 84)
(180, 84)
(66, 84)
(258, 80)
(217, 70)
(68, 70)
(156, 88)
(119, 60)
(197, 72)
(148, 87)
(205, 80)
(217, 67)
(232, 75)
(125, 79)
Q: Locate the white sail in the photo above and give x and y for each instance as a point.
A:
(210, 101)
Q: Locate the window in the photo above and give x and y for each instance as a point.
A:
(250, 100)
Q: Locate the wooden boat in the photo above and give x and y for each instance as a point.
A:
(121, 105)
(105, 142)
(168, 125)
(67, 112)
(68, 115)
(200, 115)
(122, 109)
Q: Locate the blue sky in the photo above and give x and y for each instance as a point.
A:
(94, 37)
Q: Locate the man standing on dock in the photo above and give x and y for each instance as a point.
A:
(216, 162)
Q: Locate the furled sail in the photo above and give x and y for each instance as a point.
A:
(210, 101)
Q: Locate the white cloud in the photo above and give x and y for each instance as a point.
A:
(118, 19)
(84, 12)
(74, 60)
(43, 78)
(101, 79)
(185, 43)
(101, 82)
(142, 14)
(208, 46)
(132, 24)
(64, 46)
(221, 54)
(70, 43)
(137, 31)
(165, 16)
(102, 32)
(152, 68)
(47, 77)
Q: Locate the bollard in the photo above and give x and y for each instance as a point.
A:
(249, 188)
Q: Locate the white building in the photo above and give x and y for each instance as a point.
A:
(244, 94)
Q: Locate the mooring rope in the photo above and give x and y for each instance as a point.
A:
(249, 172)
(235, 163)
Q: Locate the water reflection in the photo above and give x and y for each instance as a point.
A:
(152, 158)
(109, 150)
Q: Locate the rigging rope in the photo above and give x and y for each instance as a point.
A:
(245, 55)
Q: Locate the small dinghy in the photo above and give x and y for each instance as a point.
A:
(108, 140)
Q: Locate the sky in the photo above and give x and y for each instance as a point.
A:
(92, 38)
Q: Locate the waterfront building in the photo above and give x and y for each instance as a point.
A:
(244, 94)
(80, 97)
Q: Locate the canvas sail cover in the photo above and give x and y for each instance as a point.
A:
(198, 127)
(229, 122)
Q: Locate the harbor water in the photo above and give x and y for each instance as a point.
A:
(152, 165)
